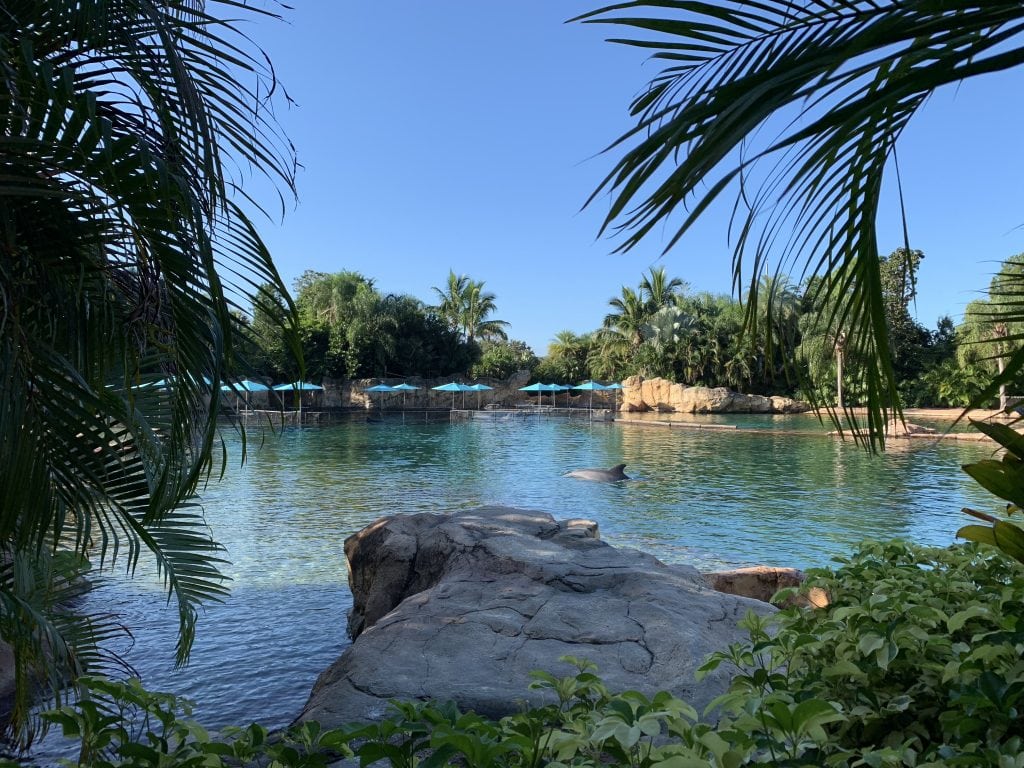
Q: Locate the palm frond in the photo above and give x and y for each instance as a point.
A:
(794, 107)
(127, 133)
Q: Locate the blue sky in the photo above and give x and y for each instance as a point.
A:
(466, 135)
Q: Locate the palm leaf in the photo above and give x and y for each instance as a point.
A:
(796, 109)
(125, 130)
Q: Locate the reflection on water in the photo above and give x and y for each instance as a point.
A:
(710, 498)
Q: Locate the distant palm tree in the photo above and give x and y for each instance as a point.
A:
(124, 252)
(815, 95)
(628, 318)
(479, 304)
(465, 306)
(452, 300)
(658, 291)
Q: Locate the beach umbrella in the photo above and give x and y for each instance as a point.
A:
(616, 386)
(478, 388)
(403, 388)
(245, 385)
(382, 388)
(590, 386)
(539, 388)
(561, 388)
(300, 387)
(453, 387)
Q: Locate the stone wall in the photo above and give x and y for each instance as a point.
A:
(640, 394)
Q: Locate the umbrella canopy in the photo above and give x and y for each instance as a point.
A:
(616, 386)
(245, 385)
(298, 386)
(301, 385)
(453, 387)
(540, 389)
(478, 388)
(590, 386)
(560, 388)
(403, 388)
(382, 388)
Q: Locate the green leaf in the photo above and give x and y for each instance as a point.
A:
(869, 643)
(958, 619)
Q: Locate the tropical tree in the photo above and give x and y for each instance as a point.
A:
(476, 320)
(466, 307)
(452, 300)
(501, 359)
(832, 84)
(567, 357)
(624, 325)
(124, 253)
(658, 291)
(993, 328)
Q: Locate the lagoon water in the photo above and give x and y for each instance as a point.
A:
(710, 498)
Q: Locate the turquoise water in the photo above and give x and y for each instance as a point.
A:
(710, 498)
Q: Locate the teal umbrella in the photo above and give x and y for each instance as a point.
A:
(561, 388)
(453, 387)
(300, 387)
(590, 386)
(382, 388)
(403, 388)
(245, 385)
(616, 386)
(478, 388)
(539, 388)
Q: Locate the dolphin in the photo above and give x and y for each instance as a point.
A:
(612, 475)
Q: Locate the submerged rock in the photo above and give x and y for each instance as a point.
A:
(463, 607)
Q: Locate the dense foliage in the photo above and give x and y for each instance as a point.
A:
(349, 329)
(781, 341)
(916, 662)
(123, 251)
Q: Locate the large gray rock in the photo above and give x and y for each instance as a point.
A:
(463, 607)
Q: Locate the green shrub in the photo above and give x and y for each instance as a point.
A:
(916, 662)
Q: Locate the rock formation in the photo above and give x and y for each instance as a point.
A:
(642, 394)
(463, 607)
(761, 582)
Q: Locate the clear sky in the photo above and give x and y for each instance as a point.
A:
(466, 135)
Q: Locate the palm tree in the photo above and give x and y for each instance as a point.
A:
(993, 328)
(628, 318)
(479, 304)
(465, 306)
(658, 291)
(123, 256)
(452, 300)
(852, 73)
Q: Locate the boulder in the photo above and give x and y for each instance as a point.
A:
(463, 607)
(632, 395)
(761, 582)
(788, 405)
(707, 399)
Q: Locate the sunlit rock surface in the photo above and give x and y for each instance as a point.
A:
(640, 394)
(463, 607)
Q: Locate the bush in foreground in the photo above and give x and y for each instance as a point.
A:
(917, 662)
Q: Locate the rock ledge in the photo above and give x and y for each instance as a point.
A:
(463, 607)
